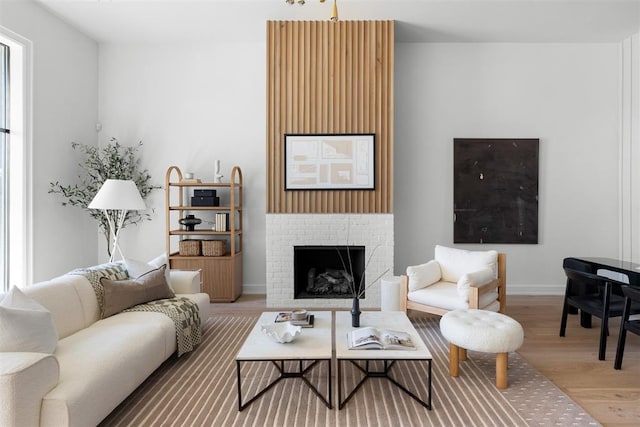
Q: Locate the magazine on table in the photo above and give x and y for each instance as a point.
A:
(371, 338)
(287, 316)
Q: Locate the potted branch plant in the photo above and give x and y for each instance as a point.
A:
(114, 161)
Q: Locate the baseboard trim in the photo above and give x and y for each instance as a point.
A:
(254, 289)
(521, 289)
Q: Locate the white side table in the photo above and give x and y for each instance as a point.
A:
(390, 293)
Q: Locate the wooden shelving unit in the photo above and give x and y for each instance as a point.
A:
(221, 275)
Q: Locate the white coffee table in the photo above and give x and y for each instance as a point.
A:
(394, 320)
(313, 345)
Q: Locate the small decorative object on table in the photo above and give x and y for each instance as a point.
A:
(299, 314)
(288, 316)
(355, 312)
(190, 222)
(282, 332)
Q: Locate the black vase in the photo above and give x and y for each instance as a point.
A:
(355, 313)
(190, 222)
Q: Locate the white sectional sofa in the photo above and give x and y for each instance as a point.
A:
(97, 362)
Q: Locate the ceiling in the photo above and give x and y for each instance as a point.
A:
(153, 21)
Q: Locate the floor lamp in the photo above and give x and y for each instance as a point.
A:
(121, 196)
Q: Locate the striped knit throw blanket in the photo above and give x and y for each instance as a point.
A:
(185, 316)
(182, 311)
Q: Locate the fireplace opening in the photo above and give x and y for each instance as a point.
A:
(327, 271)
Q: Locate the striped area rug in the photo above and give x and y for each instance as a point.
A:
(200, 389)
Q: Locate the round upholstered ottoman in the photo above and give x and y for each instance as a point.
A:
(481, 330)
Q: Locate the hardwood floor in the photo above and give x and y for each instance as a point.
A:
(570, 362)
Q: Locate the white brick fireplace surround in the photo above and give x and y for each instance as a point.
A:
(284, 231)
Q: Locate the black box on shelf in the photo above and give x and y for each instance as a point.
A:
(205, 201)
(204, 193)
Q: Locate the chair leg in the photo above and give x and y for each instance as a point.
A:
(604, 326)
(563, 321)
(502, 360)
(585, 320)
(462, 354)
(620, 349)
(623, 334)
(453, 360)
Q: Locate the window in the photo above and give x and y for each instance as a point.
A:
(15, 160)
(4, 136)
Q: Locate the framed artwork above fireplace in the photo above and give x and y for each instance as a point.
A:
(329, 162)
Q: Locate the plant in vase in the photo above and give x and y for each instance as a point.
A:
(358, 290)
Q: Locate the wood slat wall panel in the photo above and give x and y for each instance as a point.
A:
(330, 77)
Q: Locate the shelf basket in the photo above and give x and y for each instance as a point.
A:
(213, 247)
(190, 247)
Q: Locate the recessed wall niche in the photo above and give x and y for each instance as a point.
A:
(495, 196)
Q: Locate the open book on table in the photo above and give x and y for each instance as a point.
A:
(371, 338)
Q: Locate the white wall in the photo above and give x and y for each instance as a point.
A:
(565, 94)
(190, 105)
(65, 72)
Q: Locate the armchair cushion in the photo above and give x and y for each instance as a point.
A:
(476, 278)
(454, 263)
(423, 275)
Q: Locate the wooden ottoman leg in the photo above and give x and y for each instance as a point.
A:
(502, 360)
(453, 360)
(462, 354)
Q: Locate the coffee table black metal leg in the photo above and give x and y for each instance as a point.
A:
(382, 374)
(283, 374)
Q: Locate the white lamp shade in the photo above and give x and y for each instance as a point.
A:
(118, 194)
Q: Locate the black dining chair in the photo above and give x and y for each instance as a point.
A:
(631, 302)
(595, 296)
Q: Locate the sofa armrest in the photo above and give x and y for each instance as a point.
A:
(25, 378)
(185, 281)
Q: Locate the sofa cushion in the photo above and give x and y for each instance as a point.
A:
(137, 268)
(476, 278)
(423, 275)
(456, 262)
(122, 294)
(25, 325)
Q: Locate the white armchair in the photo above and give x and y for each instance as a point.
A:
(456, 279)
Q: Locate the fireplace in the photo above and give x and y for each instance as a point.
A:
(327, 271)
(373, 232)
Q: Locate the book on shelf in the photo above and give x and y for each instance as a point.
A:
(222, 222)
(286, 316)
(370, 338)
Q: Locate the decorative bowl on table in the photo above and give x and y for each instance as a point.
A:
(281, 332)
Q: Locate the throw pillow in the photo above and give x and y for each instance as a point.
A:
(138, 268)
(423, 275)
(454, 263)
(122, 294)
(476, 278)
(25, 325)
